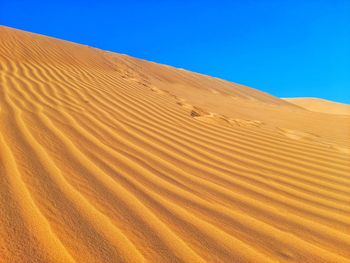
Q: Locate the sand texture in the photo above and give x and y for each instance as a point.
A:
(107, 158)
(321, 105)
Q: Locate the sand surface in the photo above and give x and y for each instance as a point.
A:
(108, 158)
(321, 105)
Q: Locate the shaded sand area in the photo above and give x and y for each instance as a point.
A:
(108, 158)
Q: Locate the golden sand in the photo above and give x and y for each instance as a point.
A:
(321, 105)
(108, 158)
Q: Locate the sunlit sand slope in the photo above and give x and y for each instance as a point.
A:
(321, 105)
(107, 158)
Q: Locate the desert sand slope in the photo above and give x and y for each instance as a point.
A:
(107, 158)
(321, 105)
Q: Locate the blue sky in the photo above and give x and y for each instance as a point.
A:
(290, 48)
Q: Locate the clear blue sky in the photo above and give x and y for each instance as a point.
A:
(289, 48)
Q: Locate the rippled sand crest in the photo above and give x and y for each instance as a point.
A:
(107, 158)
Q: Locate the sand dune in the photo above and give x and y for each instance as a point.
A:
(108, 158)
(321, 105)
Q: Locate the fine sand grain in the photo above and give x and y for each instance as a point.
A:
(107, 158)
(321, 105)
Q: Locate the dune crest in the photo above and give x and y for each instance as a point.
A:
(108, 158)
(321, 105)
